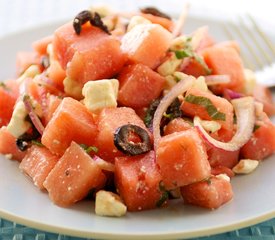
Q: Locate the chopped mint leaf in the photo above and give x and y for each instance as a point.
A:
(208, 105)
(89, 149)
(180, 54)
(256, 127)
(200, 60)
(164, 196)
(37, 143)
(3, 85)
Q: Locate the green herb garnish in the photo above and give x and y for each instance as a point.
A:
(188, 51)
(208, 105)
(164, 196)
(256, 127)
(3, 85)
(37, 143)
(180, 54)
(89, 149)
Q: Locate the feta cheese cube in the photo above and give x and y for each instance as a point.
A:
(211, 126)
(109, 204)
(100, 94)
(245, 166)
(73, 88)
(136, 20)
(18, 125)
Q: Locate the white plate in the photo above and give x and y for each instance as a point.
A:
(22, 202)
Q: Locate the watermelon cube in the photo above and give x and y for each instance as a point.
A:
(146, 44)
(91, 55)
(74, 175)
(37, 164)
(211, 193)
(138, 181)
(182, 159)
(70, 122)
(139, 86)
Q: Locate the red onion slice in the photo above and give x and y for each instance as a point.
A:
(245, 113)
(230, 94)
(181, 21)
(178, 89)
(217, 79)
(33, 116)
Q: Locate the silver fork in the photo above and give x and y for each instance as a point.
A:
(257, 50)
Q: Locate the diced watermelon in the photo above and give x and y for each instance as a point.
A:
(8, 145)
(222, 170)
(264, 95)
(70, 122)
(146, 44)
(262, 142)
(225, 60)
(164, 22)
(40, 45)
(194, 68)
(7, 102)
(37, 164)
(24, 60)
(221, 104)
(138, 181)
(231, 44)
(51, 105)
(109, 120)
(139, 86)
(182, 159)
(56, 73)
(211, 193)
(220, 157)
(74, 175)
(91, 55)
(177, 125)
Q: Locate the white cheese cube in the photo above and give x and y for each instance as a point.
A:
(245, 166)
(30, 72)
(223, 176)
(72, 88)
(100, 94)
(211, 126)
(250, 81)
(18, 125)
(109, 204)
(136, 20)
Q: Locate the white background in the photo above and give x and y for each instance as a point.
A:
(20, 14)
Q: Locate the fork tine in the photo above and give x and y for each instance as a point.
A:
(265, 38)
(267, 57)
(248, 45)
(246, 60)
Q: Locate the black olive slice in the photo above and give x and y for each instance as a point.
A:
(121, 140)
(154, 11)
(87, 16)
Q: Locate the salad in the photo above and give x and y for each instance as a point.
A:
(126, 110)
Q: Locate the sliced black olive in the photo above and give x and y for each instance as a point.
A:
(87, 16)
(154, 11)
(24, 141)
(22, 144)
(121, 140)
(80, 19)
